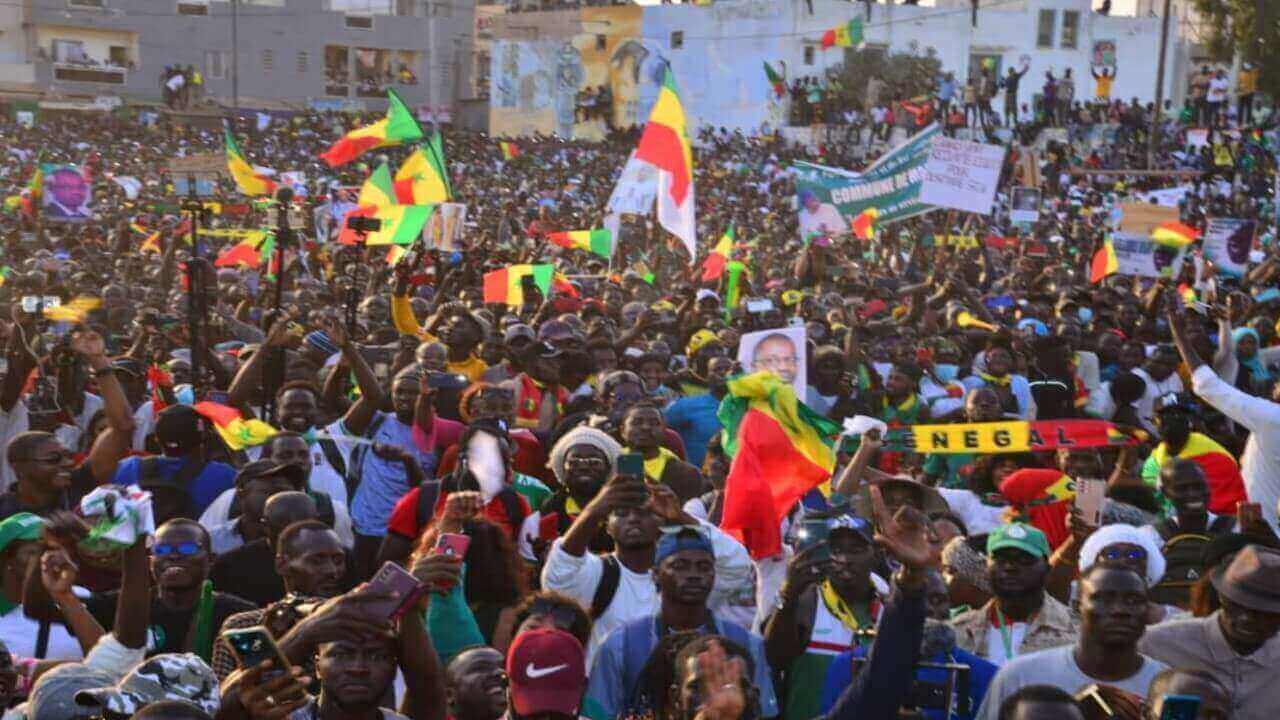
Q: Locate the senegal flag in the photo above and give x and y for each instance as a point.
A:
(377, 192)
(776, 80)
(35, 186)
(713, 266)
(401, 224)
(237, 432)
(506, 285)
(846, 35)
(665, 145)
(864, 226)
(423, 178)
(599, 242)
(780, 449)
(250, 181)
(510, 150)
(397, 128)
(1104, 263)
(1226, 485)
(251, 252)
(1174, 234)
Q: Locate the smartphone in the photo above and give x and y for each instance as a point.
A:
(403, 587)
(759, 306)
(254, 645)
(452, 544)
(631, 464)
(1180, 707)
(1090, 495)
(439, 380)
(814, 533)
(1248, 514)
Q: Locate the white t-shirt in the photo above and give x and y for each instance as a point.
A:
(1057, 667)
(996, 653)
(578, 577)
(1218, 89)
(979, 518)
(21, 632)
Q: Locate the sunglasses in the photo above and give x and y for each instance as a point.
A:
(186, 549)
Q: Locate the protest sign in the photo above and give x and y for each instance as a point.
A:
(636, 189)
(961, 175)
(1198, 138)
(67, 194)
(781, 351)
(1024, 206)
(443, 230)
(1227, 242)
(1006, 437)
(1142, 256)
(1166, 197)
(1138, 218)
(200, 164)
(891, 186)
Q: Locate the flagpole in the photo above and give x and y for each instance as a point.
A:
(197, 299)
(273, 377)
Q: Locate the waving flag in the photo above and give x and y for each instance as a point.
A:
(397, 128)
(713, 266)
(254, 250)
(864, 225)
(780, 449)
(510, 150)
(776, 81)
(237, 432)
(1104, 263)
(423, 179)
(35, 186)
(377, 192)
(505, 285)
(599, 242)
(665, 145)
(846, 35)
(250, 181)
(151, 244)
(1174, 234)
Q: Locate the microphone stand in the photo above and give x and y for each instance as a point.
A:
(273, 373)
(197, 290)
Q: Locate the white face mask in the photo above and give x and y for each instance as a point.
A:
(484, 460)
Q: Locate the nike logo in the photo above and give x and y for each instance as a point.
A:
(536, 672)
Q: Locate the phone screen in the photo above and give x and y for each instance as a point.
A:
(631, 464)
(253, 646)
(1179, 707)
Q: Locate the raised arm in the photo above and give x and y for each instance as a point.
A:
(358, 417)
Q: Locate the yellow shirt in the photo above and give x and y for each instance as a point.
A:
(1104, 87)
(1246, 82)
(473, 367)
(402, 317)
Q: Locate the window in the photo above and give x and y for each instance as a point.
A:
(87, 3)
(1070, 28)
(677, 39)
(69, 51)
(193, 7)
(808, 54)
(1044, 29)
(215, 64)
(359, 22)
(302, 62)
(118, 55)
(600, 42)
(268, 59)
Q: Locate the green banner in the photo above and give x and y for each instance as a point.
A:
(891, 186)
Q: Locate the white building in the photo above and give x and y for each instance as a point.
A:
(541, 61)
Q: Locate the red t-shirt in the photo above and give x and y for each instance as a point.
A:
(404, 516)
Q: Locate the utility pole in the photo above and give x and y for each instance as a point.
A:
(1164, 47)
(235, 54)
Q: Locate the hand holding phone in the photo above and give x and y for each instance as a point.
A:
(254, 645)
(1179, 707)
(1090, 495)
(401, 587)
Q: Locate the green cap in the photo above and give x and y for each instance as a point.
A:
(1019, 536)
(20, 526)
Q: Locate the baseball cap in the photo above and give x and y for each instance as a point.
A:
(179, 428)
(54, 695)
(519, 330)
(1175, 401)
(171, 676)
(268, 468)
(684, 539)
(20, 526)
(700, 339)
(548, 672)
(539, 350)
(1018, 536)
(706, 294)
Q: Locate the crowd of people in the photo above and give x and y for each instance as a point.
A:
(479, 511)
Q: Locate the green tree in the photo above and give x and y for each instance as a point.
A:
(1250, 28)
(906, 75)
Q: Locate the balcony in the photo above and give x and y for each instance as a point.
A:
(80, 72)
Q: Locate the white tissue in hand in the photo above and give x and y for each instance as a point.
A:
(860, 424)
(484, 460)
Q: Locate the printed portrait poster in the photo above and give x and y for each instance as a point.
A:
(1227, 242)
(67, 195)
(781, 351)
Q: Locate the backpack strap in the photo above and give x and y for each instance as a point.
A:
(358, 454)
(42, 639)
(333, 455)
(324, 507)
(610, 578)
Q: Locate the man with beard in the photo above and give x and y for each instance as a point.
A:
(180, 560)
(618, 587)
(582, 461)
(1113, 604)
(312, 563)
(1022, 618)
(1239, 644)
(642, 431)
(684, 571)
(1185, 533)
(1175, 416)
(827, 605)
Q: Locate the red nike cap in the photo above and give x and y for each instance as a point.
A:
(548, 672)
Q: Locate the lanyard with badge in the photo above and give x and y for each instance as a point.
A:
(1006, 636)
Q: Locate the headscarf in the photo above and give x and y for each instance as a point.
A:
(1120, 533)
(1257, 370)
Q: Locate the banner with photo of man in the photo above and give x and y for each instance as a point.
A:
(1142, 256)
(1227, 242)
(829, 198)
(67, 194)
(781, 351)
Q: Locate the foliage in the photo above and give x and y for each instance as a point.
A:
(907, 75)
(1232, 26)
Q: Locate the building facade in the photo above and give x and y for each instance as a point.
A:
(545, 64)
(255, 53)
